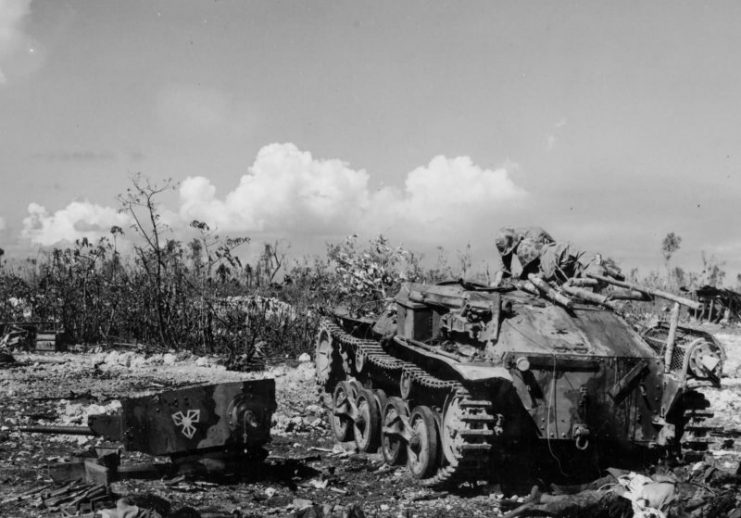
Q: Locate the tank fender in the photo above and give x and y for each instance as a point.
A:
(674, 386)
(481, 373)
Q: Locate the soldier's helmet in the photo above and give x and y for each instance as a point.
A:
(506, 241)
(528, 251)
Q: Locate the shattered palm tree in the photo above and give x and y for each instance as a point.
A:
(465, 382)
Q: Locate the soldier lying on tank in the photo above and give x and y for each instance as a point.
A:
(523, 242)
(558, 262)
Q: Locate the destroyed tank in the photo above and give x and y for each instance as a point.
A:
(467, 383)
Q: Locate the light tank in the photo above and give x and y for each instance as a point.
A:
(467, 383)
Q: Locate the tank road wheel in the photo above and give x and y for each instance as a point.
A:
(367, 425)
(328, 360)
(422, 450)
(355, 387)
(360, 359)
(343, 410)
(405, 384)
(452, 425)
(395, 424)
(381, 399)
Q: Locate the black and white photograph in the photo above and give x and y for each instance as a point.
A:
(370, 259)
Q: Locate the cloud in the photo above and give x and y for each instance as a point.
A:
(18, 51)
(77, 220)
(288, 191)
(450, 198)
(2, 223)
(285, 188)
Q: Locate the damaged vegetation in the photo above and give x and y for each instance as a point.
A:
(147, 326)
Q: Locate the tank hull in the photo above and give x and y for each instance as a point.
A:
(508, 379)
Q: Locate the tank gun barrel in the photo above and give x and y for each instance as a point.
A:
(58, 429)
(654, 293)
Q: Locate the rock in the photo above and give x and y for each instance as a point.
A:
(314, 409)
(111, 358)
(305, 357)
(203, 362)
(6, 358)
(137, 362)
(295, 424)
(169, 359)
(185, 512)
(155, 359)
(125, 359)
(149, 501)
(318, 483)
(278, 371)
(353, 511)
(306, 371)
(302, 503)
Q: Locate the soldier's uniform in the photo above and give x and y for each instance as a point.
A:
(538, 253)
(524, 242)
(560, 261)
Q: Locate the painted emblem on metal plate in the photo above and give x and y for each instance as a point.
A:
(187, 422)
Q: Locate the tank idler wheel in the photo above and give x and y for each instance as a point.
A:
(355, 388)
(395, 432)
(423, 446)
(367, 422)
(381, 399)
(450, 434)
(328, 360)
(343, 411)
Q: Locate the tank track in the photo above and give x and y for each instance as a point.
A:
(472, 457)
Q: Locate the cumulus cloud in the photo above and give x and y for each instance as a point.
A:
(17, 49)
(449, 195)
(286, 190)
(76, 221)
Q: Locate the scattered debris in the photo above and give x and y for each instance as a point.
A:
(306, 465)
(6, 359)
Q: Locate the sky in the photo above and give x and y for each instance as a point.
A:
(610, 124)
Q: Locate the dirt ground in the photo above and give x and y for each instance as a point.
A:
(305, 466)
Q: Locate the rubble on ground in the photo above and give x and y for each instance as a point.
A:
(307, 474)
